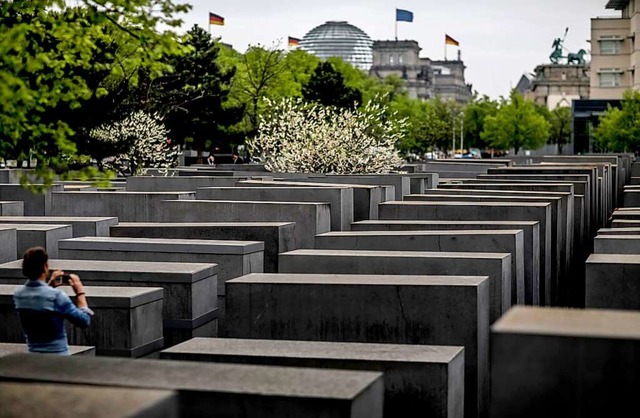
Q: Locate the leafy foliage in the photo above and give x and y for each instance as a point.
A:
(475, 114)
(561, 120)
(44, 58)
(619, 129)
(193, 98)
(517, 125)
(326, 87)
(311, 138)
(142, 142)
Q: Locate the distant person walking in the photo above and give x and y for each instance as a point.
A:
(42, 308)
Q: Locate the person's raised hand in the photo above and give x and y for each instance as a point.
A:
(53, 281)
(76, 283)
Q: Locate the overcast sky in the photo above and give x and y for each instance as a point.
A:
(499, 39)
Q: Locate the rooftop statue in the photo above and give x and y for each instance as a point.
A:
(558, 51)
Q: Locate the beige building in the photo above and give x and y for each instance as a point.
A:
(615, 52)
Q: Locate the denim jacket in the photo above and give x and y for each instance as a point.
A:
(42, 310)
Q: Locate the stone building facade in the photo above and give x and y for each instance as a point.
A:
(556, 85)
(423, 77)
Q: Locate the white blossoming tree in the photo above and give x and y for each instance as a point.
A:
(141, 142)
(300, 137)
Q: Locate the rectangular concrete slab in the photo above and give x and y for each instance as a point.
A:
(74, 350)
(215, 390)
(502, 241)
(126, 206)
(531, 231)
(278, 237)
(497, 266)
(366, 198)
(234, 258)
(562, 230)
(339, 198)
(39, 235)
(565, 363)
(43, 400)
(9, 247)
(617, 244)
(419, 380)
(190, 289)
(310, 218)
(127, 320)
(82, 227)
(483, 211)
(35, 204)
(612, 281)
(8, 208)
(417, 310)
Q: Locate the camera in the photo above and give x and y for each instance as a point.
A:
(63, 279)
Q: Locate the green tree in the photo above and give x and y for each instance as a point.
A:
(40, 53)
(192, 100)
(475, 114)
(517, 125)
(327, 87)
(425, 127)
(561, 120)
(258, 71)
(619, 129)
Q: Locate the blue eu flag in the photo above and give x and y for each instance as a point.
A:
(404, 16)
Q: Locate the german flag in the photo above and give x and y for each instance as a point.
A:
(448, 40)
(215, 19)
(293, 41)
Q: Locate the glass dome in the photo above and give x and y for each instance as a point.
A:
(340, 39)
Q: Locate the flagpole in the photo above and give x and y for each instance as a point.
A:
(445, 48)
(396, 28)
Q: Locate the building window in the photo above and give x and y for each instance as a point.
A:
(610, 79)
(399, 59)
(610, 47)
(391, 59)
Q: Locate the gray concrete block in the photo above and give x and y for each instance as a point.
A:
(169, 184)
(366, 198)
(417, 310)
(234, 258)
(561, 231)
(532, 249)
(565, 363)
(82, 227)
(74, 350)
(35, 204)
(340, 199)
(617, 244)
(29, 400)
(190, 289)
(619, 231)
(398, 184)
(310, 218)
(126, 206)
(9, 247)
(488, 212)
(278, 237)
(39, 235)
(612, 281)
(500, 241)
(497, 266)
(217, 390)
(419, 380)
(625, 223)
(127, 320)
(11, 208)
